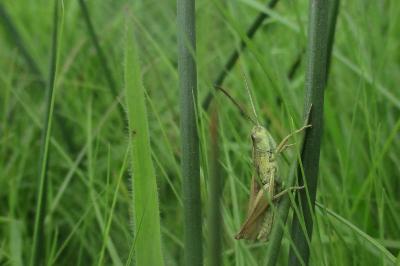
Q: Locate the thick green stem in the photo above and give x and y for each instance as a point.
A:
(314, 96)
(316, 82)
(193, 247)
(333, 14)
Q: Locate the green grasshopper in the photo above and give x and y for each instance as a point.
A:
(260, 217)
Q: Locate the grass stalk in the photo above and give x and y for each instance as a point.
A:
(314, 96)
(232, 59)
(144, 186)
(333, 14)
(277, 234)
(193, 244)
(215, 192)
(38, 253)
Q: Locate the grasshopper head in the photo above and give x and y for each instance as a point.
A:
(258, 134)
(261, 138)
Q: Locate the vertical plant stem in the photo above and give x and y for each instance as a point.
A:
(314, 96)
(230, 63)
(333, 14)
(215, 191)
(100, 53)
(193, 244)
(277, 233)
(39, 246)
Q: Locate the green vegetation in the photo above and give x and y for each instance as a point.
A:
(112, 173)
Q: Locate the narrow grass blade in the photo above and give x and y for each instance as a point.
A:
(111, 215)
(215, 195)
(314, 96)
(144, 186)
(38, 254)
(193, 244)
(383, 251)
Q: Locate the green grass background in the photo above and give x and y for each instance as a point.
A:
(359, 174)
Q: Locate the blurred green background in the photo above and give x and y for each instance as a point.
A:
(359, 176)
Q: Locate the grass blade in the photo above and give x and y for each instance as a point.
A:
(39, 246)
(214, 203)
(369, 240)
(144, 185)
(314, 96)
(193, 246)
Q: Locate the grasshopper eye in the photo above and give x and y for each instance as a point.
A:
(253, 137)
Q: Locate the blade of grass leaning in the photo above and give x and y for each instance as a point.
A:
(193, 244)
(369, 240)
(215, 192)
(232, 59)
(314, 96)
(38, 252)
(144, 185)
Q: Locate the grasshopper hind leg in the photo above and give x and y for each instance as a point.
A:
(266, 227)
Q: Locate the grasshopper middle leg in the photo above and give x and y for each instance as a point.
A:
(283, 192)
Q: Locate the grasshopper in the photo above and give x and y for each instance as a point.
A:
(260, 218)
(266, 184)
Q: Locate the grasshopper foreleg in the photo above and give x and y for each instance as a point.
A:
(283, 146)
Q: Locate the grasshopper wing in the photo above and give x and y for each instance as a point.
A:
(258, 205)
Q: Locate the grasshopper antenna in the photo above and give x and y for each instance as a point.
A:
(250, 96)
(240, 107)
